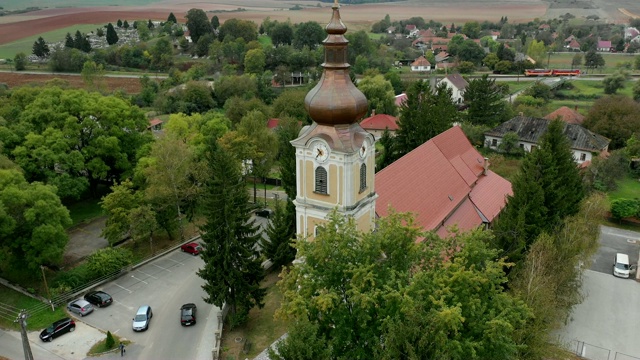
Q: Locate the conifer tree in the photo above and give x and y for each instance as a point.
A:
(40, 48)
(125, 25)
(232, 269)
(172, 18)
(486, 102)
(278, 245)
(287, 131)
(68, 41)
(119, 23)
(150, 24)
(112, 36)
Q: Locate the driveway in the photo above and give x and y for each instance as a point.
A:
(604, 326)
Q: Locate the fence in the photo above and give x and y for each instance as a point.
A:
(591, 352)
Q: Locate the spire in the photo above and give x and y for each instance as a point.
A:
(335, 99)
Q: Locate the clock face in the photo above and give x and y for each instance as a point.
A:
(363, 150)
(320, 152)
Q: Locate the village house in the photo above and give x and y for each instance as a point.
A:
(376, 124)
(458, 85)
(421, 64)
(445, 183)
(584, 144)
(604, 45)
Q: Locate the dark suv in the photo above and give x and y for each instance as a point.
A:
(58, 328)
(99, 298)
(188, 314)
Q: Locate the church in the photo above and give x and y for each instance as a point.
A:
(445, 182)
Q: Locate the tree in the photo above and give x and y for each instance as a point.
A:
(232, 268)
(509, 143)
(277, 246)
(424, 115)
(593, 59)
(20, 61)
(93, 75)
(150, 24)
(282, 34)
(203, 44)
(117, 205)
(254, 61)
(112, 36)
(308, 34)
(287, 131)
(99, 32)
(636, 90)
(215, 22)
(87, 138)
(236, 29)
(485, 101)
(125, 25)
(229, 86)
(32, 222)
(382, 295)
(379, 93)
(576, 61)
(68, 41)
(143, 30)
(119, 23)
(537, 51)
(616, 117)
(470, 51)
(80, 42)
(107, 261)
(636, 63)
(162, 54)
(40, 48)
(613, 83)
(198, 24)
(172, 18)
(471, 29)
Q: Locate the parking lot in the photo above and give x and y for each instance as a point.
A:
(164, 284)
(605, 325)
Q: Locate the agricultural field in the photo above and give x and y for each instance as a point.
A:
(25, 45)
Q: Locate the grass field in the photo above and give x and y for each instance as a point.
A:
(9, 51)
(41, 314)
(628, 188)
(611, 61)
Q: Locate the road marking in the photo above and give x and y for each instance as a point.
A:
(148, 274)
(140, 280)
(123, 288)
(175, 261)
(115, 332)
(161, 267)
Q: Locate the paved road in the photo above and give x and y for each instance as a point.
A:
(605, 325)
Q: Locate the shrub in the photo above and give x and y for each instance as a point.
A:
(623, 208)
(107, 261)
(110, 342)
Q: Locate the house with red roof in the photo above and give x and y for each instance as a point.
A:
(445, 183)
(421, 64)
(573, 45)
(376, 124)
(400, 99)
(568, 115)
(604, 45)
(155, 124)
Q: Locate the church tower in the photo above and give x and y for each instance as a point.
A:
(335, 156)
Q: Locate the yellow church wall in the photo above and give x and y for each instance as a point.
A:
(364, 222)
(312, 222)
(332, 178)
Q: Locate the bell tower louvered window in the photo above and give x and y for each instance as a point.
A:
(321, 180)
(363, 177)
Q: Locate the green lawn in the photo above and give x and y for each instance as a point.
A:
(41, 314)
(628, 188)
(85, 210)
(9, 51)
(515, 86)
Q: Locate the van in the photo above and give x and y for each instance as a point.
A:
(142, 319)
(621, 267)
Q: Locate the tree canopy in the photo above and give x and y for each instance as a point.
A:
(616, 117)
(198, 24)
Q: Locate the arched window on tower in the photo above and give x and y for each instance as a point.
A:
(321, 180)
(363, 177)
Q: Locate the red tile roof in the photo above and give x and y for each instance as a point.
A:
(154, 122)
(567, 115)
(421, 61)
(440, 182)
(272, 123)
(400, 99)
(380, 122)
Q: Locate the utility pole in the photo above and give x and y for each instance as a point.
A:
(22, 319)
(47, 288)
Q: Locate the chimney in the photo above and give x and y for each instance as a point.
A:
(373, 112)
(485, 165)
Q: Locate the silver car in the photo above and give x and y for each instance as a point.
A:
(80, 307)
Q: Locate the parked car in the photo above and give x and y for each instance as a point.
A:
(58, 328)
(265, 213)
(188, 314)
(621, 266)
(80, 307)
(98, 298)
(143, 318)
(191, 248)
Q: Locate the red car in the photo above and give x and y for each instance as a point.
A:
(191, 248)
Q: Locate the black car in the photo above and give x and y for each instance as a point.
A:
(58, 328)
(188, 314)
(98, 298)
(265, 213)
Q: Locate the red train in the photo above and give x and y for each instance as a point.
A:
(552, 72)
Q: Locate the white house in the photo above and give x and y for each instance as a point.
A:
(584, 144)
(421, 64)
(458, 85)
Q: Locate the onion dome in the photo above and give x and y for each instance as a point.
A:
(335, 99)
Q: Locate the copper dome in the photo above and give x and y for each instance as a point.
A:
(335, 99)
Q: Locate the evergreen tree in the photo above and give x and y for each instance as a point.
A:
(215, 22)
(125, 25)
(387, 156)
(232, 269)
(485, 101)
(40, 48)
(78, 40)
(172, 18)
(287, 131)
(68, 41)
(150, 24)
(424, 115)
(119, 23)
(278, 245)
(112, 36)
